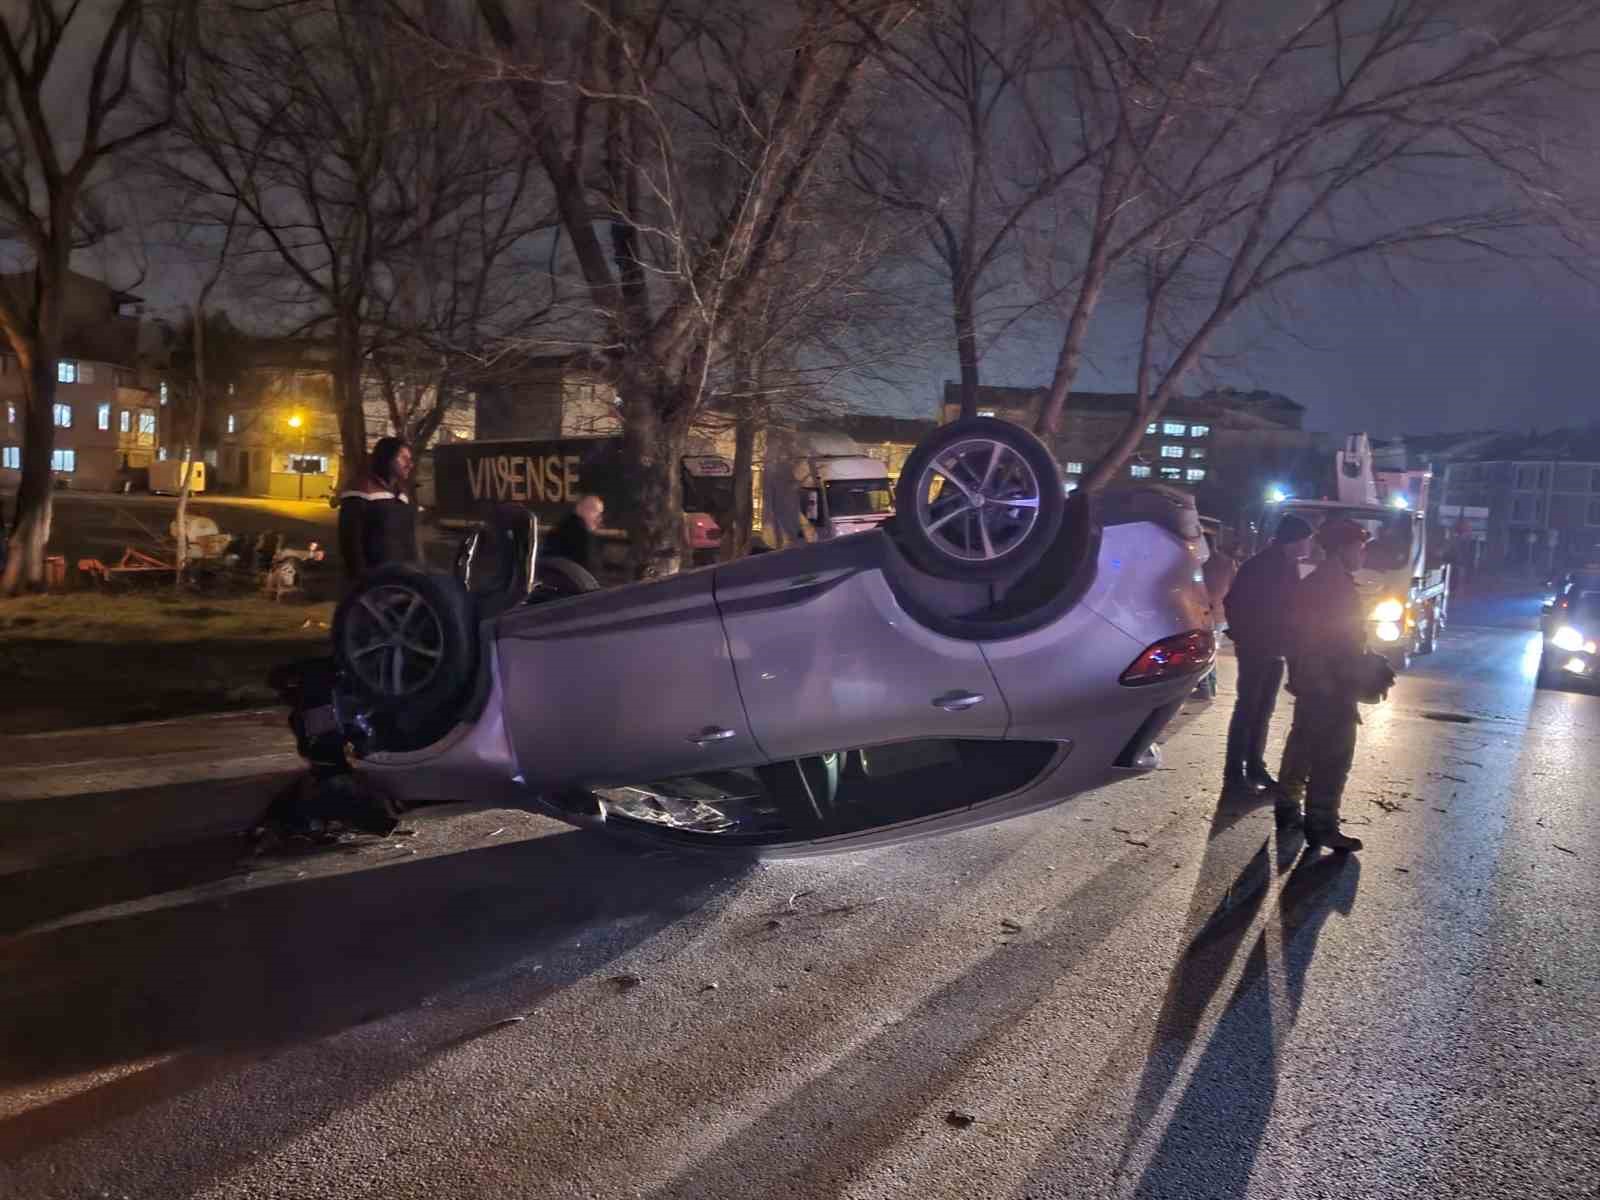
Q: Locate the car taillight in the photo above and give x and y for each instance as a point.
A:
(1182, 654)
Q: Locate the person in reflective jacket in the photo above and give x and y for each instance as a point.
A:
(377, 522)
(1329, 671)
(1257, 607)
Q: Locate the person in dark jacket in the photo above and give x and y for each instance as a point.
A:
(377, 522)
(1257, 607)
(573, 536)
(1329, 670)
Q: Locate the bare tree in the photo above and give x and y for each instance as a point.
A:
(350, 157)
(53, 150)
(970, 140)
(1337, 135)
(680, 138)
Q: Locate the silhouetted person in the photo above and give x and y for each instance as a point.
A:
(1257, 607)
(377, 521)
(1329, 672)
(573, 536)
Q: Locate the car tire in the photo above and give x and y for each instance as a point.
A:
(564, 576)
(952, 516)
(406, 644)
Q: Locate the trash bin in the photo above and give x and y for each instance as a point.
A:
(55, 572)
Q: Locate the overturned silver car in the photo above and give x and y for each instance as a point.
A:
(994, 649)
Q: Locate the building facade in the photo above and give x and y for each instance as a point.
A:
(107, 409)
(1538, 510)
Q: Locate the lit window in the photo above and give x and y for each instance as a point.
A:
(11, 458)
(1172, 452)
(211, 458)
(1174, 428)
(64, 460)
(1074, 468)
(1171, 472)
(147, 422)
(1151, 428)
(230, 389)
(161, 454)
(1197, 451)
(163, 391)
(988, 412)
(230, 423)
(1199, 431)
(102, 417)
(66, 371)
(1139, 471)
(63, 416)
(125, 420)
(11, 414)
(1195, 474)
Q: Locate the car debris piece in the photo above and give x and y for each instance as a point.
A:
(1011, 926)
(627, 981)
(959, 1118)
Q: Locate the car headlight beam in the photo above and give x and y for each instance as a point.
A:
(1389, 610)
(1567, 638)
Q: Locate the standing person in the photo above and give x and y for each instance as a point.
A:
(1257, 607)
(1329, 670)
(573, 536)
(377, 522)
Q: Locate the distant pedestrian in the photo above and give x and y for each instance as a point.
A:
(377, 521)
(1257, 608)
(573, 536)
(1330, 673)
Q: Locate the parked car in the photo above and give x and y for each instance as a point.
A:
(993, 650)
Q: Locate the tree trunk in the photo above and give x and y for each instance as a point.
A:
(967, 347)
(655, 434)
(736, 538)
(30, 532)
(347, 401)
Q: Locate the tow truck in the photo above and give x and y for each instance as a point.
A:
(1408, 599)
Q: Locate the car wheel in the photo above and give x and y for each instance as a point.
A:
(406, 642)
(980, 499)
(564, 576)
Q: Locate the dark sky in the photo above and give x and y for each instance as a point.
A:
(1511, 349)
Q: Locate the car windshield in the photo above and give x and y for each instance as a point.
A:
(859, 497)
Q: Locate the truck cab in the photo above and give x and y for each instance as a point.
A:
(843, 494)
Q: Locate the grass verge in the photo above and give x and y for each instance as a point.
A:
(82, 659)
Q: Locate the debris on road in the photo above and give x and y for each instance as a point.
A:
(1442, 775)
(1453, 718)
(710, 987)
(1564, 850)
(1388, 806)
(959, 1118)
(1136, 842)
(1011, 926)
(627, 981)
(795, 897)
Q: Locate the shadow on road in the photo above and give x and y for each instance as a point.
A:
(208, 986)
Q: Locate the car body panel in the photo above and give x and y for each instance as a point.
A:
(811, 650)
(614, 686)
(827, 659)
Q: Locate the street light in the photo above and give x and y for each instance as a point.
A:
(1276, 495)
(296, 422)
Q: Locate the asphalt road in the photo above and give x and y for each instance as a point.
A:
(1185, 1007)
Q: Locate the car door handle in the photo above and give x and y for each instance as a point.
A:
(958, 701)
(711, 734)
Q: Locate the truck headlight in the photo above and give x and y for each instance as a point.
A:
(1567, 638)
(1389, 610)
(1388, 631)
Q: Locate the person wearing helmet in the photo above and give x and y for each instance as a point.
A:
(1257, 607)
(1327, 676)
